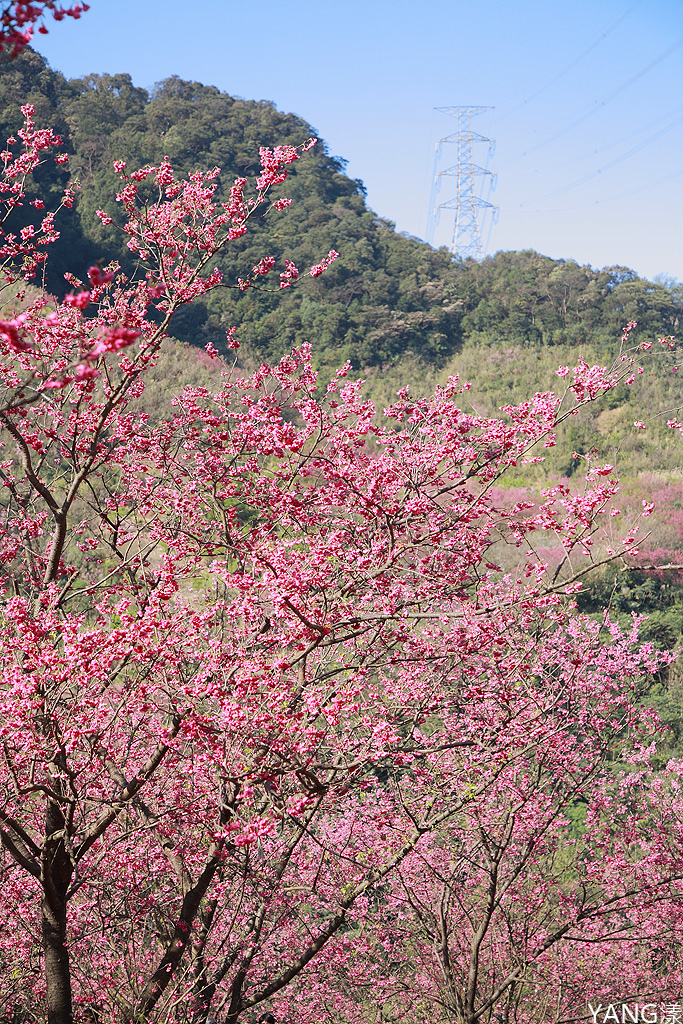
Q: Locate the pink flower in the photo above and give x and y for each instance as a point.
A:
(142, 174)
(9, 333)
(84, 372)
(113, 341)
(321, 267)
(79, 301)
(164, 174)
(265, 265)
(273, 163)
(289, 275)
(98, 278)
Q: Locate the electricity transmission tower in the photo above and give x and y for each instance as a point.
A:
(466, 203)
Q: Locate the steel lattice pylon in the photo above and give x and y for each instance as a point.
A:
(466, 203)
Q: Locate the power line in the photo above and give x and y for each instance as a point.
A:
(600, 104)
(620, 195)
(629, 135)
(573, 63)
(612, 163)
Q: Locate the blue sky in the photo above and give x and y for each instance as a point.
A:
(587, 98)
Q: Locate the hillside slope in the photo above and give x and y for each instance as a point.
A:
(388, 297)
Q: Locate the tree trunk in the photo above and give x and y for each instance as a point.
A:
(57, 973)
(56, 875)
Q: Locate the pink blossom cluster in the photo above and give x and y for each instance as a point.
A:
(264, 266)
(28, 248)
(19, 17)
(273, 163)
(590, 381)
(321, 267)
(10, 336)
(289, 275)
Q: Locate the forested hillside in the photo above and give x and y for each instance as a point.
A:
(389, 296)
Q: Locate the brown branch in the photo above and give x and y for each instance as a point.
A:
(127, 795)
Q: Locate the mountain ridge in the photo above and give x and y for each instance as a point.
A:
(390, 295)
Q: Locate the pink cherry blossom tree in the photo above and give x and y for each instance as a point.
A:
(513, 909)
(255, 661)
